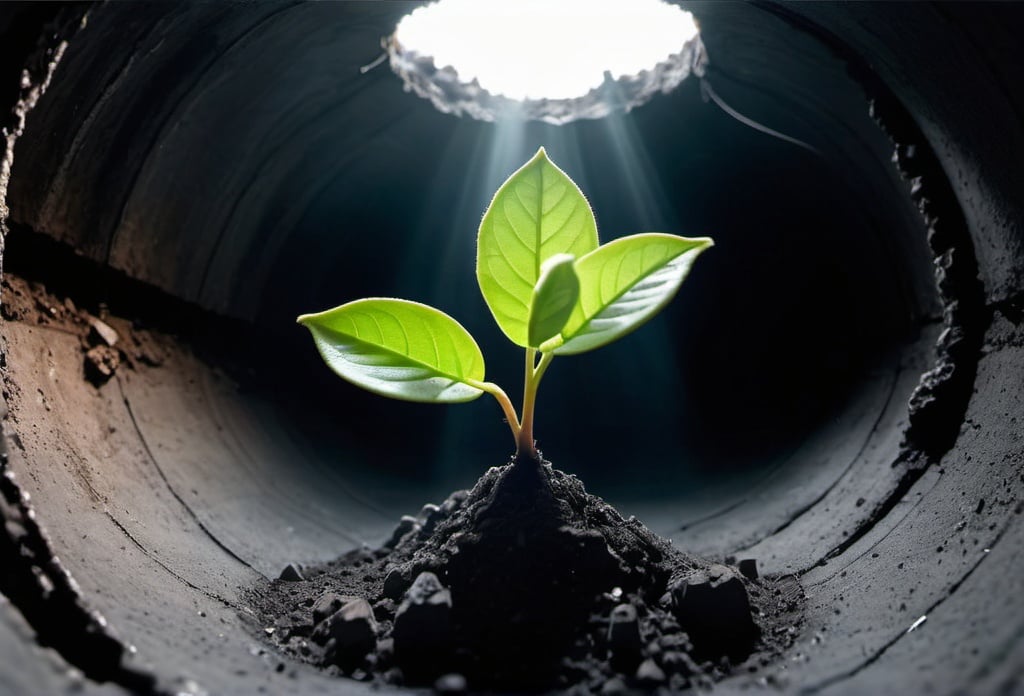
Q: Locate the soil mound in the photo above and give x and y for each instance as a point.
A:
(527, 583)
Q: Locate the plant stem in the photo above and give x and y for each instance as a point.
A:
(534, 371)
(506, 405)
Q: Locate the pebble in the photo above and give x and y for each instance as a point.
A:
(407, 524)
(675, 642)
(100, 331)
(429, 517)
(328, 603)
(427, 511)
(649, 673)
(291, 573)
(614, 687)
(101, 362)
(713, 608)
(395, 584)
(454, 502)
(352, 632)
(748, 567)
(422, 632)
(676, 662)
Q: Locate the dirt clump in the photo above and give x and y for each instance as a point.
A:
(529, 583)
(107, 342)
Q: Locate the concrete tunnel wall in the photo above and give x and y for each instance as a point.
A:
(834, 411)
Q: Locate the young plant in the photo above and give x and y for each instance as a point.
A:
(549, 285)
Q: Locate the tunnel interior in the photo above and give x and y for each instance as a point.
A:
(805, 400)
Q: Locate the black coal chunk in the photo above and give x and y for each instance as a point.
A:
(423, 629)
(351, 633)
(712, 606)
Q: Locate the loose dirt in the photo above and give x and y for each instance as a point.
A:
(529, 583)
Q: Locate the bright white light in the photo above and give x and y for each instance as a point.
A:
(546, 49)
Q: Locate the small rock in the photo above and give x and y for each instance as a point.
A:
(677, 641)
(451, 684)
(351, 633)
(427, 511)
(429, 517)
(614, 687)
(327, 604)
(454, 502)
(426, 590)
(713, 608)
(675, 662)
(407, 524)
(100, 364)
(395, 584)
(384, 609)
(291, 573)
(748, 567)
(101, 332)
(649, 674)
(624, 641)
(422, 631)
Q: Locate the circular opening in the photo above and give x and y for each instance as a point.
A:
(554, 62)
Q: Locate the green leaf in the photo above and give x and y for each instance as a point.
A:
(622, 285)
(553, 298)
(537, 213)
(405, 350)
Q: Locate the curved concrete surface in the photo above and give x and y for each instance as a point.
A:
(815, 398)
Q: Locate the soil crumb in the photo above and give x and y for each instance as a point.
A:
(527, 583)
(107, 342)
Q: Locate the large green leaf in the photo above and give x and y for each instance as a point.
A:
(400, 349)
(537, 213)
(622, 285)
(553, 298)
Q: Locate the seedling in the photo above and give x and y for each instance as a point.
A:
(549, 285)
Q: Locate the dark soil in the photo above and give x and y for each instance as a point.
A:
(528, 583)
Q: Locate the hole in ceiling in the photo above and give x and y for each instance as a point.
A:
(537, 60)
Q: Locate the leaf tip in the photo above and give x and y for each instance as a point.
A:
(556, 260)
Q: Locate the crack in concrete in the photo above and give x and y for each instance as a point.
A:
(149, 554)
(839, 569)
(877, 654)
(853, 460)
(156, 465)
